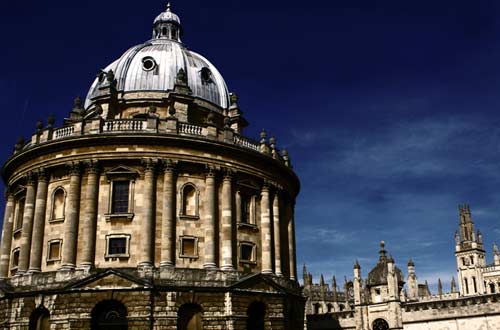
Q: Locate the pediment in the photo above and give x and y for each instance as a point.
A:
(110, 279)
(258, 282)
(122, 171)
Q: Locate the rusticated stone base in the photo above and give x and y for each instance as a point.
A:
(155, 302)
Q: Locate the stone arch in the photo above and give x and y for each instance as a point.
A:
(109, 315)
(190, 317)
(58, 204)
(189, 200)
(329, 308)
(256, 314)
(318, 308)
(380, 324)
(39, 319)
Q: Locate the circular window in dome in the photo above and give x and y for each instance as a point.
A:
(148, 63)
(206, 75)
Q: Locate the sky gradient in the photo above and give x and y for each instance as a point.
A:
(389, 109)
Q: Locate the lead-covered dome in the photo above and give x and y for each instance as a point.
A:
(154, 66)
(378, 275)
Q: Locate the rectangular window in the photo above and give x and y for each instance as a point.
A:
(189, 247)
(54, 251)
(247, 252)
(120, 197)
(117, 245)
(245, 209)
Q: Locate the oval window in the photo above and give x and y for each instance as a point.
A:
(148, 63)
(206, 75)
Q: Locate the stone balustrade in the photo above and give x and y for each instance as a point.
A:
(152, 126)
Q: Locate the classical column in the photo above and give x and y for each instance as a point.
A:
(27, 230)
(227, 222)
(70, 241)
(277, 235)
(90, 215)
(291, 241)
(168, 222)
(210, 219)
(147, 238)
(266, 235)
(8, 223)
(39, 222)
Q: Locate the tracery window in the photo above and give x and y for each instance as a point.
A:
(109, 314)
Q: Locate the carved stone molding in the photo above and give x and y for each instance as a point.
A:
(74, 168)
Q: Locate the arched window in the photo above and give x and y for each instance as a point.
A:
(58, 204)
(317, 309)
(492, 287)
(164, 31)
(256, 314)
(330, 308)
(39, 319)
(341, 307)
(380, 324)
(19, 213)
(466, 282)
(189, 200)
(189, 317)
(109, 315)
(475, 283)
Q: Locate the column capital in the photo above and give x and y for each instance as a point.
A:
(93, 166)
(30, 178)
(211, 170)
(228, 173)
(8, 191)
(168, 165)
(74, 168)
(149, 164)
(42, 174)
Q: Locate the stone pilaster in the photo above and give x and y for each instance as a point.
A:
(146, 256)
(168, 223)
(210, 219)
(90, 215)
(227, 222)
(70, 240)
(6, 244)
(291, 242)
(39, 222)
(27, 230)
(266, 234)
(277, 234)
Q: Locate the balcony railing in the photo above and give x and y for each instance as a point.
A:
(122, 125)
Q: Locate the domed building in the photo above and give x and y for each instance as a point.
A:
(149, 208)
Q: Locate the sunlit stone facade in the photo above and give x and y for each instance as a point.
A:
(149, 208)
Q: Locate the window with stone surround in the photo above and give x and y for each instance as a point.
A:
(19, 213)
(121, 193)
(247, 252)
(54, 250)
(189, 202)
(188, 247)
(117, 246)
(246, 206)
(14, 263)
(58, 205)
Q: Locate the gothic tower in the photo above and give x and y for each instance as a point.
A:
(470, 255)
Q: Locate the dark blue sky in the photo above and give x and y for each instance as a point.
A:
(390, 109)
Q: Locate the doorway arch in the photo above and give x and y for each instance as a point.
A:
(39, 319)
(256, 314)
(109, 315)
(189, 317)
(380, 324)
